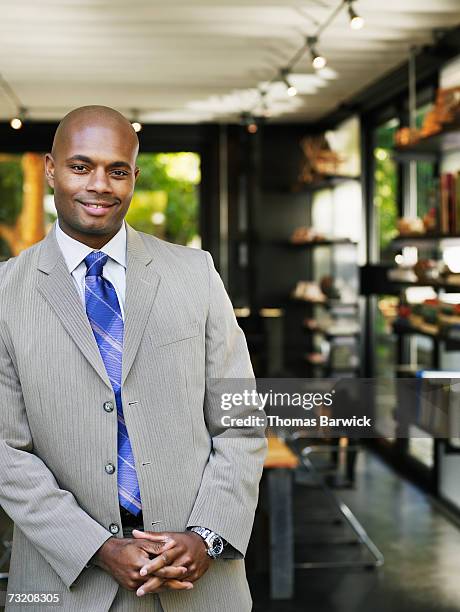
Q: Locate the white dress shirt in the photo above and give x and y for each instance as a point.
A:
(114, 270)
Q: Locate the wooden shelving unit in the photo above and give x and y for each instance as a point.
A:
(326, 182)
(427, 239)
(316, 243)
(432, 146)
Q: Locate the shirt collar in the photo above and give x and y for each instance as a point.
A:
(74, 251)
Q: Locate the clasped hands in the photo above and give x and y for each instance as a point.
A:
(179, 560)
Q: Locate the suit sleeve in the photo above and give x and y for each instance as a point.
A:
(228, 494)
(64, 534)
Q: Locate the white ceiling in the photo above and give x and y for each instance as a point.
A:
(195, 60)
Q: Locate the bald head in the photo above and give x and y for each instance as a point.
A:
(87, 117)
(92, 170)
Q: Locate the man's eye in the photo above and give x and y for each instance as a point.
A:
(78, 168)
(120, 173)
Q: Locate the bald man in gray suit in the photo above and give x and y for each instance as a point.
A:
(126, 491)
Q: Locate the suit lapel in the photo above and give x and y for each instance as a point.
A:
(142, 282)
(58, 288)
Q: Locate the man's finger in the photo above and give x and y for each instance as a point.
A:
(171, 571)
(163, 560)
(152, 535)
(150, 586)
(178, 585)
(154, 584)
(155, 548)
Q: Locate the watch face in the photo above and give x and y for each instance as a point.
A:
(217, 546)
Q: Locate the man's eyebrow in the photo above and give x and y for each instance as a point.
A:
(83, 158)
(88, 160)
(120, 164)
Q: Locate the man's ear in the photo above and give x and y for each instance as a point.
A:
(49, 169)
(136, 172)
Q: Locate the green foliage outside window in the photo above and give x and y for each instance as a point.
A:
(385, 186)
(166, 199)
(10, 190)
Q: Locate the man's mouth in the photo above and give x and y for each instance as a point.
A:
(97, 204)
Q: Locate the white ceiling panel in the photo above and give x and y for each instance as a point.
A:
(198, 60)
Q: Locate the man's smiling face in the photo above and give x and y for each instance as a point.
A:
(92, 170)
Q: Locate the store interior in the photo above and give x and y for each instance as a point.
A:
(330, 202)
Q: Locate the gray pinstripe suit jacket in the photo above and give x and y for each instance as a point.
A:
(56, 438)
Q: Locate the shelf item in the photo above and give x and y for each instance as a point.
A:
(443, 217)
(332, 330)
(325, 292)
(320, 159)
(339, 354)
(432, 146)
(440, 131)
(308, 291)
(305, 235)
(316, 358)
(402, 275)
(325, 365)
(413, 226)
(452, 337)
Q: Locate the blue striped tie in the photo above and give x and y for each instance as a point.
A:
(104, 314)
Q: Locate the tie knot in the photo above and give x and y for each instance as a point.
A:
(95, 262)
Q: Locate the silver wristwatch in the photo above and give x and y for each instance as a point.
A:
(214, 542)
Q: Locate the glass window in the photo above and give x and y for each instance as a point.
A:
(385, 187)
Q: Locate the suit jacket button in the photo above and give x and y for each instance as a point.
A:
(109, 468)
(114, 528)
(108, 406)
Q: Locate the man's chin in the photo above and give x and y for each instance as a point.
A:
(95, 226)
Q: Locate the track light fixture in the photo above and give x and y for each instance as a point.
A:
(137, 125)
(265, 111)
(249, 122)
(291, 90)
(318, 61)
(356, 22)
(18, 121)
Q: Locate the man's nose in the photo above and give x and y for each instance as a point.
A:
(98, 181)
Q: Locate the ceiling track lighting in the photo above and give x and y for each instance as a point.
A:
(290, 89)
(137, 125)
(318, 61)
(265, 111)
(17, 121)
(249, 122)
(356, 21)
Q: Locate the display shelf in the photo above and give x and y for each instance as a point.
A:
(317, 243)
(432, 146)
(326, 365)
(331, 335)
(411, 329)
(326, 303)
(435, 336)
(434, 284)
(427, 239)
(326, 182)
